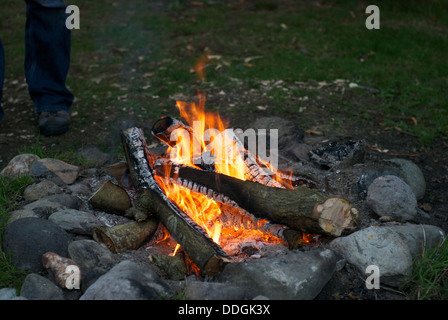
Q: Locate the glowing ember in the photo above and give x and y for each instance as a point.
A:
(207, 129)
(209, 143)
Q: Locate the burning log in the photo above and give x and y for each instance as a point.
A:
(303, 209)
(206, 254)
(226, 143)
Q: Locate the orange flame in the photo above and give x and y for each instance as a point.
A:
(207, 136)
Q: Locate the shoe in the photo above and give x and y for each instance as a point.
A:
(54, 123)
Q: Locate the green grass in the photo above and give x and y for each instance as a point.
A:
(123, 47)
(429, 279)
(10, 191)
(405, 60)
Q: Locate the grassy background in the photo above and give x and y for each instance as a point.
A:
(129, 57)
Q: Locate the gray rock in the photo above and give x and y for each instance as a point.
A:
(89, 254)
(81, 189)
(413, 176)
(19, 214)
(370, 173)
(41, 189)
(128, 281)
(288, 133)
(19, 165)
(201, 290)
(418, 237)
(296, 275)
(377, 246)
(7, 293)
(55, 170)
(391, 196)
(75, 221)
(29, 238)
(37, 287)
(50, 204)
(94, 155)
(90, 277)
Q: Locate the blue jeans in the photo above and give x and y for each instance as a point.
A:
(47, 56)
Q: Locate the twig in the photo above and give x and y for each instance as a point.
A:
(392, 153)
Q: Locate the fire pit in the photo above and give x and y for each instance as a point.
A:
(220, 201)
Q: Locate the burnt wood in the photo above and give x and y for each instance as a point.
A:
(209, 257)
(304, 209)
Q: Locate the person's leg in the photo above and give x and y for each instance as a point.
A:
(47, 60)
(2, 76)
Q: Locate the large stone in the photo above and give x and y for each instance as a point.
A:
(418, 237)
(413, 176)
(37, 287)
(7, 293)
(94, 156)
(55, 170)
(378, 246)
(41, 189)
(75, 221)
(27, 239)
(21, 213)
(128, 281)
(202, 290)
(44, 207)
(295, 276)
(287, 132)
(89, 254)
(19, 165)
(391, 196)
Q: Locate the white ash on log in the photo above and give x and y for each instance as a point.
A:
(151, 200)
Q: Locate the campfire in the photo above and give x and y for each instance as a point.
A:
(217, 198)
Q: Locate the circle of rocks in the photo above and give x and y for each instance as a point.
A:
(55, 216)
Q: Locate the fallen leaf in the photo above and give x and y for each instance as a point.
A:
(249, 59)
(426, 207)
(351, 295)
(319, 133)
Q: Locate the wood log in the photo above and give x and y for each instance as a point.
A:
(209, 257)
(303, 209)
(111, 198)
(226, 144)
(128, 236)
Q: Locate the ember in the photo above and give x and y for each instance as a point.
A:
(221, 201)
(229, 208)
(225, 155)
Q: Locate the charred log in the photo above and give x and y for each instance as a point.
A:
(303, 209)
(151, 200)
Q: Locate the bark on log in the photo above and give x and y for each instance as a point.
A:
(128, 236)
(303, 209)
(206, 254)
(111, 198)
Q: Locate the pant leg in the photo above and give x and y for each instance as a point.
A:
(2, 76)
(47, 55)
